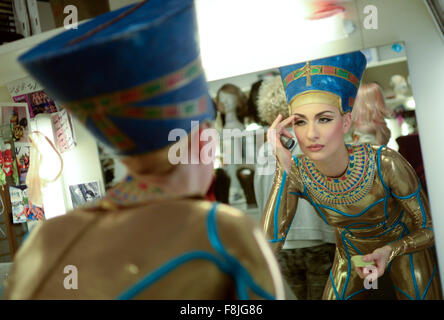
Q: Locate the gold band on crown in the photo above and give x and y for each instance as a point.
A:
(315, 96)
(319, 70)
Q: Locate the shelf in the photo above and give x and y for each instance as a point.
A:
(385, 62)
(394, 102)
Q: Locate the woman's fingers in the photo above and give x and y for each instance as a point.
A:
(285, 123)
(276, 121)
(379, 260)
(278, 127)
(274, 133)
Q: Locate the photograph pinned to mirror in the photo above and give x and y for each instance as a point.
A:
(83, 193)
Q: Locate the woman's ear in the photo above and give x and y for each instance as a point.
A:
(346, 122)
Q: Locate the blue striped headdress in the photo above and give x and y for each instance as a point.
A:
(333, 80)
(131, 75)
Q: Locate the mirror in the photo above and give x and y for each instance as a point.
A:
(385, 89)
(386, 66)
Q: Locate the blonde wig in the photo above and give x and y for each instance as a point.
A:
(369, 113)
(271, 100)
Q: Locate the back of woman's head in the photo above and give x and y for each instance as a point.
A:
(369, 112)
(271, 100)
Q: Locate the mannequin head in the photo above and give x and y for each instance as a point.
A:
(368, 116)
(228, 101)
(238, 99)
(399, 85)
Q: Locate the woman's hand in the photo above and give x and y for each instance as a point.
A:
(274, 133)
(380, 256)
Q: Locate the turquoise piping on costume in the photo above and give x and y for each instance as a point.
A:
(227, 264)
(418, 296)
(163, 270)
(334, 287)
(388, 195)
(429, 283)
(352, 215)
(242, 277)
(276, 209)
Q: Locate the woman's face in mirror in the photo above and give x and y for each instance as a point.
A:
(320, 130)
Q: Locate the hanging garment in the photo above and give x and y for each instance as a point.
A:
(34, 181)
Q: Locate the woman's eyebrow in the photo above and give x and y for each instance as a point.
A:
(317, 115)
(324, 112)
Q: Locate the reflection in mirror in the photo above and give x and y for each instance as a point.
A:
(335, 200)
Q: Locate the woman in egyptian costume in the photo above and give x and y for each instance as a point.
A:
(369, 194)
(138, 79)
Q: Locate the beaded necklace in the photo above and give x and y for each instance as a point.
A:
(349, 188)
(132, 191)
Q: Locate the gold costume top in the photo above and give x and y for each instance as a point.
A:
(132, 235)
(378, 201)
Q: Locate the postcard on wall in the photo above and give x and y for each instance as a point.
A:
(83, 193)
(17, 116)
(22, 210)
(7, 157)
(28, 90)
(22, 154)
(38, 102)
